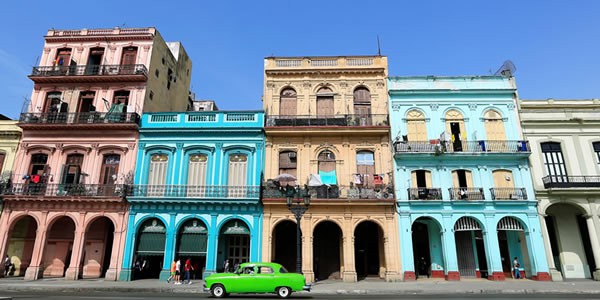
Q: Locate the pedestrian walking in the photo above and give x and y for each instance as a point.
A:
(226, 265)
(178, 271)
(7, 265)
(516, 267)
(187, 268)
(173, 270)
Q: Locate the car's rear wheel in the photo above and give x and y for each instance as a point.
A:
(284, 292)
(218, 291)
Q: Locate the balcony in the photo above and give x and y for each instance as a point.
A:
(64, 190)
(438, 147)
(92, 119)
(474, 193)
(271, 191)
(194, 191)
(89, 73)
(327, 121)
(424, 194)
(508, 193)
(571, 181)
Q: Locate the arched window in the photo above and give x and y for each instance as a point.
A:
(94, 61)
(288, 102)
(197, 170)
(110, 168)
(455, 127)
(365, 169)
(494, 126)
(38, 167)
(288, 163)
(71, 173)
(325, 102)
(416, 128)
(554, 161)
(238, 169)
(157, 173)
(326, 161)
(53, 102)
(362, 101)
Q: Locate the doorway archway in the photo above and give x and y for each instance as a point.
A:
(284, 245)
(369, 258)
(327, 250)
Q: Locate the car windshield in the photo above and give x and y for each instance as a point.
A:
(283, 270)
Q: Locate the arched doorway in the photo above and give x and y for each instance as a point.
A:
(150, 249)
(369, 258)
(234, 244)
(284, 245)
(327, 251)
(570, 241)
(513, 243)
(455, 127)
(191, 243)
(97, 249)
(470, 249)
(427, 248)
(59, 247)
(19, 246)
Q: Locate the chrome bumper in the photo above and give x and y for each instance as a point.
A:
(205, 289)
(307, 287)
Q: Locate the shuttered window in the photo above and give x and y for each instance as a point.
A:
(238, 165)
(325, 102)
(362, 102)
(365, 166)
(288, 163)
(288, 102)
(157, 174)
(503, 179)
(494, 126)
(554, 161)
(197, 174)
(415, 122)
(597, 150)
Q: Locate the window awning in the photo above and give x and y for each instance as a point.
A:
(233, 228)
(151, 243)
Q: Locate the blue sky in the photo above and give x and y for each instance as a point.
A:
(554, 44)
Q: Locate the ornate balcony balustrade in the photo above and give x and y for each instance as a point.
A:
(424, 194)
(508, 193)
(80, 118)
(336, 192)
(482, 146)
(89, 70)
(64, 190)
(333, 120)
(571, 181)
(474, 193)
(193, 191)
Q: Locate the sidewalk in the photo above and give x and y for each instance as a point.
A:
(369, 286)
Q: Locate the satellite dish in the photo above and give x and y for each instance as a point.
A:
(507, 69)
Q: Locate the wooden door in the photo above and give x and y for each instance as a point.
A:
(110, 169)
(238, 169)
(197, 175)
(128, 60)
(324, 106)
(288, 103)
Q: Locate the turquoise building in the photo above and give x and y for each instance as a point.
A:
(196, 193)
(464, 192)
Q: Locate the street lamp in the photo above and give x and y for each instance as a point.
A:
(298, 208)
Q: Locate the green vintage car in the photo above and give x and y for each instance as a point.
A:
(256, 278)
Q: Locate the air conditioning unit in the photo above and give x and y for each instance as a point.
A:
(292, 154)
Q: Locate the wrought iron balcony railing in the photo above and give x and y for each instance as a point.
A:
(332, 120)
(424, 194)
(571, 181)
(337, 192)
(80, 118)
(474, 193)
(64, 190)
(481, 146)
(89, 70)
(508, 193)
(194, 191)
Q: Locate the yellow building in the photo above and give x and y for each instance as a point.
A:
(10, 134)
(327, 125)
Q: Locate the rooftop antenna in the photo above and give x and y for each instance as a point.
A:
(378, 46)
(507, 69)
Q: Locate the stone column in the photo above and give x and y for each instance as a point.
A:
(349, 274)
(307, 248)
(4, 237)
(126, 273)
(543, 237)
(111, 273)
(406, 247)
(33, 271)
(74, 267)
(492, 247)
(449, 249)
(595, 245)
(390, 248)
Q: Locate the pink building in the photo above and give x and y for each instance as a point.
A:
(65, 214)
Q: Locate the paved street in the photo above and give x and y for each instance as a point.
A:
(140, 296)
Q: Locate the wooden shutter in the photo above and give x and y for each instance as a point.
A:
(197, 174)
(158, 169)
(500, 177)
(288, 103)
(129, 56)
(494, 126)
(2, 157)
(413, 179)
(469, 177)
(428, 179)
(110, 167)
(455, 179)
(325, 102)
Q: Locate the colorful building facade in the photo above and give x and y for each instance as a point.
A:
(464, 193)
(565, 162)
(327, 135)
(10, 135)
(65, 213)
(196, 193)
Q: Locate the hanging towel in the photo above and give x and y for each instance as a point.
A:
(377, 179)
(357, 179)
(328, 177)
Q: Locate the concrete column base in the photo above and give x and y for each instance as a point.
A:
(350, 276)
(437, 274)
(125, 275)
(542, 276)
(309, 276)
(111, 274)
(410, 276)
(392, 277)
(556, 275)
(497, 276)
(32, 273)
(72, 274)
(453, 276)
(164, 274)
(596, 275)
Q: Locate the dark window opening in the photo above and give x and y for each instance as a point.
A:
(462, 178)
(421, 178)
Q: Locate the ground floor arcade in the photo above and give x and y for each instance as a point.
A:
(570, 227)
(471, 242)
(207, 235)
(70, 239)
(339, 239)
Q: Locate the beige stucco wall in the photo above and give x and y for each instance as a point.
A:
(10, 134)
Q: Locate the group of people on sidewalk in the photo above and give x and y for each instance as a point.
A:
(188, 268)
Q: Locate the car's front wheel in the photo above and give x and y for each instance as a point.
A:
(218, 291)
(284, 292)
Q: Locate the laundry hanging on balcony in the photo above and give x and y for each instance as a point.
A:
(115, 112)
(328, 177)
(315, 180)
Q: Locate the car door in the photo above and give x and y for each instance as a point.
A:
(264, 279)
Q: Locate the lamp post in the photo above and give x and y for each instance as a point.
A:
(298, 200)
